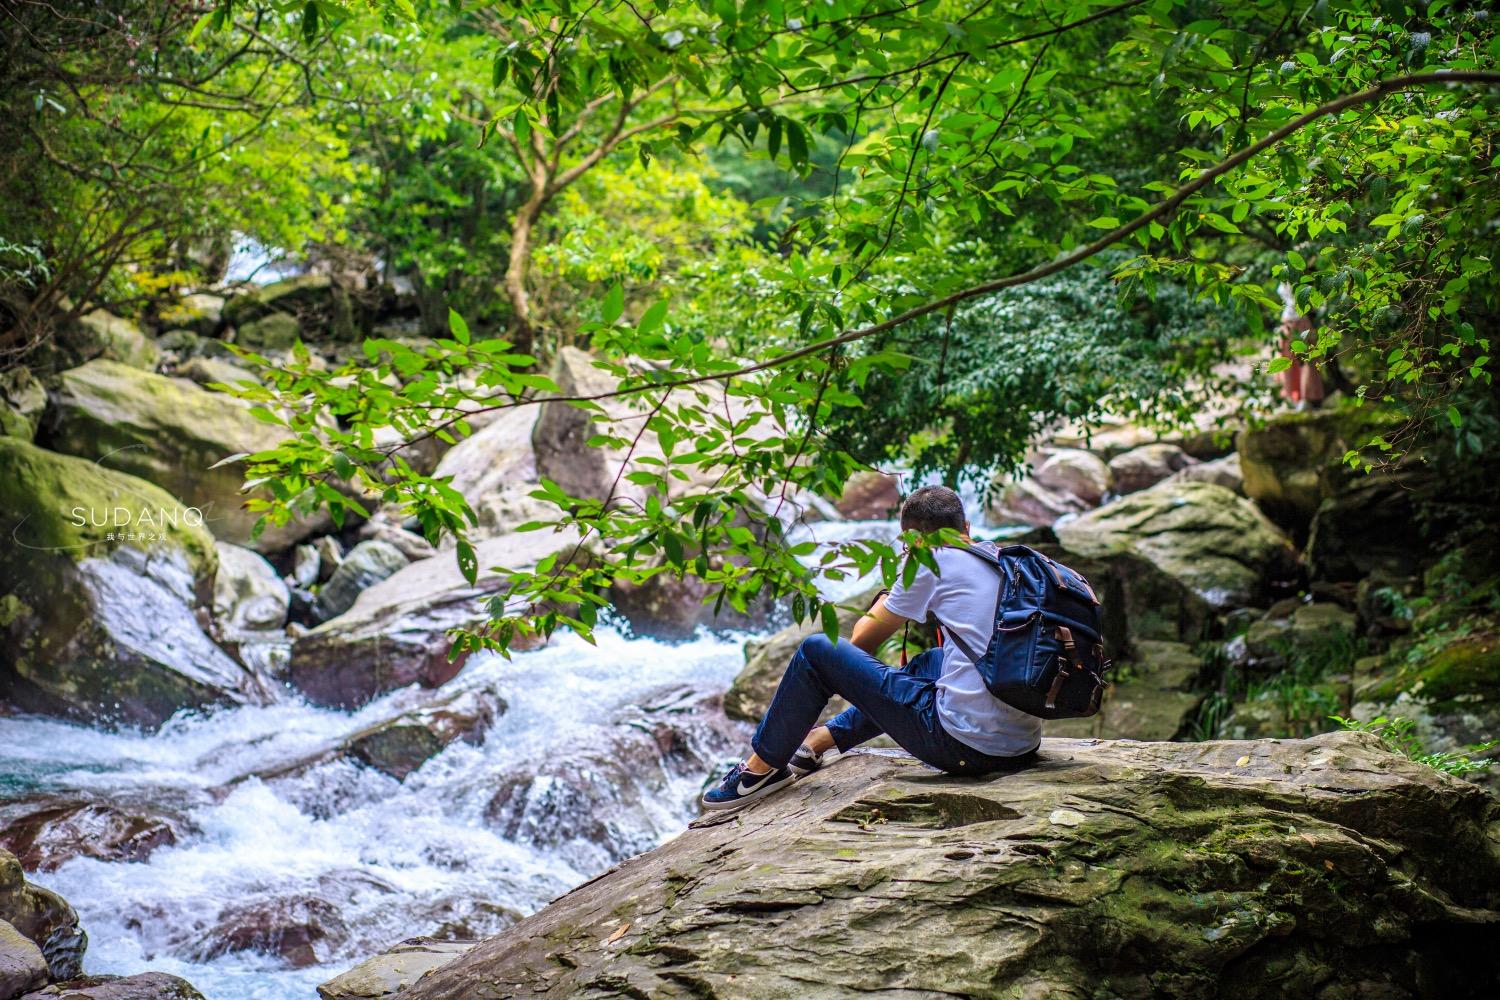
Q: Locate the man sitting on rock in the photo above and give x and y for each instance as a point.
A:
(937, 708)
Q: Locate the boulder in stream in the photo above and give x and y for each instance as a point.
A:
(584, 803)
(46, 835)
(367, 564)
(1062, 481)
(42, 917)
(396, 632)
(870, 496)
(301, 930)
(100, 597)
(144, 986)
(22, 967)
(249, 596)
(1326, 867)
(388, 973)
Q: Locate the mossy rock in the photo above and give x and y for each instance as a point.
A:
(117, 339)
(1110, 869)
(170, 432)
(1294, 462)
(275, 331)
(22, 401)
(1459, 675)
(99, 593)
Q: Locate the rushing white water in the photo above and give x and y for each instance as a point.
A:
(392, 859)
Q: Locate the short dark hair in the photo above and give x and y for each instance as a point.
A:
(931, 508)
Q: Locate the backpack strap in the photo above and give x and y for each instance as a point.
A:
(994, 561)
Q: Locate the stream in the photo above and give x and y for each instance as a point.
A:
(393, 859)
(368, 861)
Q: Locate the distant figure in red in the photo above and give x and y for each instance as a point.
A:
(1301, 385)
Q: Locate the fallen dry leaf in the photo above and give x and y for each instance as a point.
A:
(619, 932)
(1242, 762)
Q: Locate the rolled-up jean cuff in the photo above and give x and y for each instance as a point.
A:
(841, 736)
(775, 764)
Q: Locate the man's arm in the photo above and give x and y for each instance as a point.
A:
(875, 627)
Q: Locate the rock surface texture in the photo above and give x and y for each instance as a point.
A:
(1216, 543)
(1327, 867)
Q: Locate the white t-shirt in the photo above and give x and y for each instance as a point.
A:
(963, 599)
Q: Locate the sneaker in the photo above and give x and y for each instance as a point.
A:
(740, 786)
(804, 761)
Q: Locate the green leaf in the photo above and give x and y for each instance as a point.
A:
(652, 318)
(830, 614)
(1278, 365)
(1455, 418)
(457, 325)
(468, 563)
(614, 303)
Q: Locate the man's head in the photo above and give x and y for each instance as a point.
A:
(931, 508)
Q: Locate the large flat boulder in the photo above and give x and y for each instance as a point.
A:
(170, 432)
(395, 634)
(1062, 481)
(101, 594)
(1216, 543)
(1325, 867)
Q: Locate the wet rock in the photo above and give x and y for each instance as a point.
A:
(22, 967)
(330, 554)
(145, 986)
(410, 544)
(43, 917)
(394, 970)
(367, 564)
(664, 606)
(870, 496)
(99, 621)
(1223, 472)
(1218, 544)
(400, 746)
(584, 803)
(301, 930)
(1261, 870)
(1296, 461)
(22, 401)
(396, 632)
(248, 595)
(168, 432)
(44, 838)
(1147, 465)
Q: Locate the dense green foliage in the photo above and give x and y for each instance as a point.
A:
(993, 217)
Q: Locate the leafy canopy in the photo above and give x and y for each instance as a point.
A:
(1347, 149)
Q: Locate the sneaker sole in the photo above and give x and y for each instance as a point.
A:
(765, 789)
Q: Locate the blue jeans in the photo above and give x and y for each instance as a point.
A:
(900, 703)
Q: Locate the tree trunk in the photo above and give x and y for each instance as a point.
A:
(522, 330)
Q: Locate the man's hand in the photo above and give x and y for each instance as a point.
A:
(875, 627)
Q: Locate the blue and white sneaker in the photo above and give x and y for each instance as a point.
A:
(740, 786)
(804, 761)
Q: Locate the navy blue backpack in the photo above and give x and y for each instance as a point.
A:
(1046, 656)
